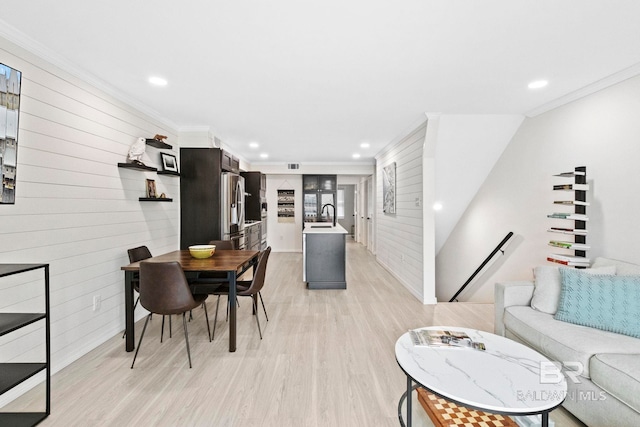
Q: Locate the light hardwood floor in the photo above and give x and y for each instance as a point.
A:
(327, 359)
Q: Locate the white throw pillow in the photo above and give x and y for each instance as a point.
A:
(548, 284)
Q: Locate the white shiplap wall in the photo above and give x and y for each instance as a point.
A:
(399, 236)
(76, 210)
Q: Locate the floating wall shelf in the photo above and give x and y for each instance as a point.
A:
(158, 144)
(137, 167)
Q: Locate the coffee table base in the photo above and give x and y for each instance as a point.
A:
(407, 396)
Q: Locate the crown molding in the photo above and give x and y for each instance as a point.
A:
(27, 43)
(594, 87)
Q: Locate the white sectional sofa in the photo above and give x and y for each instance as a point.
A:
(602, 368)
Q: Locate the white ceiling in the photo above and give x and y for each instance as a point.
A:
(311, 80)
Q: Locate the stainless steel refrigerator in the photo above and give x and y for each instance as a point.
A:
(232, 206)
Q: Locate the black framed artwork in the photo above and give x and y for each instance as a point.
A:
(169, 162)
(10, 81)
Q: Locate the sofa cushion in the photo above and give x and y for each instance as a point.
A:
(619, 375)
(565, 342)
(622, 268)
(548, 284)
(610, 303)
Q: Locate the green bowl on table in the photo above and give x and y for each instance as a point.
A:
(202, 251)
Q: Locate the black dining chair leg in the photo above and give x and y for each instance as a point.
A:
(206, 316)
(255, 308)
(215, 320)
(140, 342)
(170, 327)
(186, 337)
(263, 308)
(124, 334)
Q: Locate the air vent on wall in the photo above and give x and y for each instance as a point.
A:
(293, 166)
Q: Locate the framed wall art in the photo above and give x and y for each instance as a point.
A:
(286, 205)
(389, 188)
(169, 162)
(151, 189)
(10, 81)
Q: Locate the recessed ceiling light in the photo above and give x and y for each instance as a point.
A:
(254, 145)
(356, 156)
(264, 155)
(364, 145)
(157, 81)
(538, 84)
(437, 206)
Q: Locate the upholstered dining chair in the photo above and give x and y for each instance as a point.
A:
(164, 290)
(249, 288)
(136, 254)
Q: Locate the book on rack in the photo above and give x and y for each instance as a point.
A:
(569, 245)
(572, 231)
(574, 261)
(443, 339)
(571, 202)
(579, 187)
(571, 174)
(569, 215)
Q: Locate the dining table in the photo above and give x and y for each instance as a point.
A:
(232, 262)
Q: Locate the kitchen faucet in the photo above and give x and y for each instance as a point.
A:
(334, 212)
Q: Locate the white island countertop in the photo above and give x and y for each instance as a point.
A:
(323, 228)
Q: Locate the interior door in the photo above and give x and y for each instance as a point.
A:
(370, 215)
(364, 202)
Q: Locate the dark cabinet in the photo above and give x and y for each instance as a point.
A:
(252, 237)
(230, 163)
(319, 190)
(200, 201)
(13, 374)
(324, 265)
(255, 184)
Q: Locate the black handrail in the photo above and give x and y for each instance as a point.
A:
(495, 251)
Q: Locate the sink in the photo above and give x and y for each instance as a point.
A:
(321, 226)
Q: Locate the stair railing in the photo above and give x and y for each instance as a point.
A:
(475, 273)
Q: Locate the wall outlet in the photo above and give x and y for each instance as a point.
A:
(402, 257)
(97, 302)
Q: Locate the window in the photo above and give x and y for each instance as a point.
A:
(340, 203)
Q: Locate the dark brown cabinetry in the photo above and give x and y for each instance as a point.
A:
(319, 190)
(252, 237)
(230, 163)
(13, 374)
(256, 188)
(200, 201)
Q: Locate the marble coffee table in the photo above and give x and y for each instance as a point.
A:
(507, 378)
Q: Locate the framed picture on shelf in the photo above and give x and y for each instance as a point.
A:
(169, 162)
(151, 189)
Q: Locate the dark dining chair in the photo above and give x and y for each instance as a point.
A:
(164, 290)
(136, 254)
(247, 288)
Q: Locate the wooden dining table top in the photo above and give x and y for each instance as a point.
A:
(222, 260)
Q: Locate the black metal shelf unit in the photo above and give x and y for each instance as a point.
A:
(579, 246)
(13, 374)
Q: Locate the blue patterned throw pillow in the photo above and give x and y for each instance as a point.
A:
(610, 303)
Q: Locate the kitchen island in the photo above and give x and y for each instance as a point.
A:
(323, 256)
